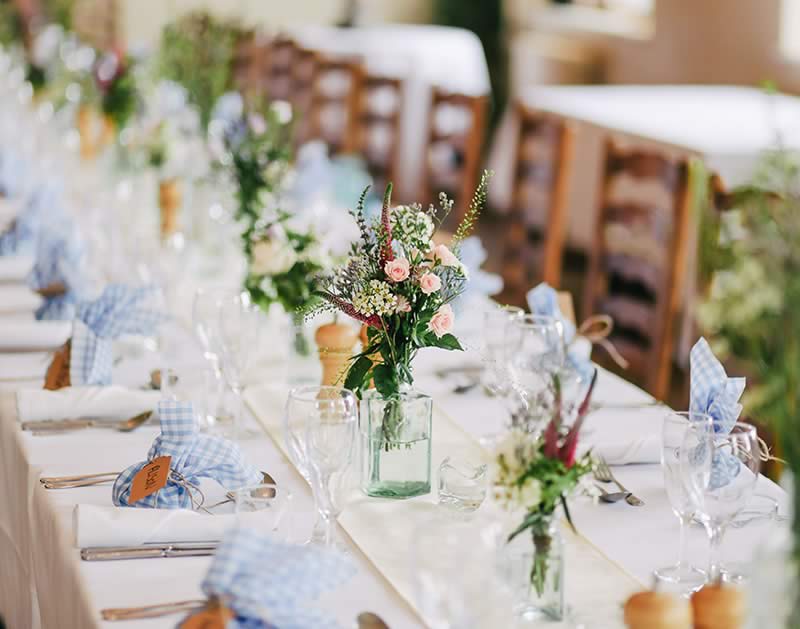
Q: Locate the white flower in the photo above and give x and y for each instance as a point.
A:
(272, 256)
(530, 494)
(412, 227)
(376, 298)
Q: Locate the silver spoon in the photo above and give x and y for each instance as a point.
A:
(368, 620)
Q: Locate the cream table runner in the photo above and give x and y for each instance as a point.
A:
(383, 529)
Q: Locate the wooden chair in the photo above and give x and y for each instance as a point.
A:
(304, 71)
(250, 55)
(277, 70)
(378, 127)
(636, 271)
(537, 222)
(456, 128)
(333, 115)
(97, 23)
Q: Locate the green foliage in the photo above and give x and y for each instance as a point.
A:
(120, 98)
(36, 76)
(198, 52)
(476, 205)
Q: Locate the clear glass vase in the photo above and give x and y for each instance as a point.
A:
(535, 568)
(303, 365)
(396, 444)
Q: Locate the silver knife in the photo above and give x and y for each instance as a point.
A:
(154, 551)
(58, 424)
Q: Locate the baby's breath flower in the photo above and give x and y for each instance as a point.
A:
(376, 298)
(412, 227)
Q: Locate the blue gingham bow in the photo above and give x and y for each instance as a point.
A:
(194, 456)
(119, 310)
(268, 584)
(711, 391)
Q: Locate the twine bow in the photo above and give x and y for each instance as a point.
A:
(597, 329)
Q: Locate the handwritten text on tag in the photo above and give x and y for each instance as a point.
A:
(150, 479)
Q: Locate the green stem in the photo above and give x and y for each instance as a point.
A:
(542, 543)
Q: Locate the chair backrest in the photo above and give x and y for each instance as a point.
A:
(456, 128)
(250, 56)
(334, 102)
(277, 70)
(538, 217)
(636, 272)
(378, 127)
(97, 23)
(304, 71)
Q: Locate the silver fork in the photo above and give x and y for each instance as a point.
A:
(603, 473)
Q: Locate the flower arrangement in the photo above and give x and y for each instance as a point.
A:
(536, 474)
(198, 52)
(116, 84)
(401, 285)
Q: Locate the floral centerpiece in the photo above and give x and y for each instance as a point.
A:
(400, 285)
(116, 84)
(535, 474)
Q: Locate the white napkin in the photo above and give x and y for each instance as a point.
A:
(627, 451)
(123, 526)
(15, 268)
(112, 402)
(33, 335)
(18, 299)
(24, 365)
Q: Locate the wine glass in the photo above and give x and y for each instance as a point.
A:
(329, 442)
(535, 351)
(495, 323)
(719, 470)
(682, 573)
(240, 325)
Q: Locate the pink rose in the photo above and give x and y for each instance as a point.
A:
(442, 322)
(402, 304)
(397, 270)
(430, 283)
(445, 256)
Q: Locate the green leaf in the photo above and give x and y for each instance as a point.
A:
(385, 379)
(448, 341)
(357, 374)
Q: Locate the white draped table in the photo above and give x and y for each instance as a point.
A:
(44, 583)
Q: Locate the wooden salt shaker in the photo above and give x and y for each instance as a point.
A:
(336, 342)
(657, 610)
(169, 203)
(719, 607)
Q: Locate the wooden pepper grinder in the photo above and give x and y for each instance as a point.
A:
(719, 607)
(86, 127)
(169, 203)
(336, 342)
(657, 610)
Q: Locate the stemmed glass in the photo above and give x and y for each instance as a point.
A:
(536, 351)
(719, 470)
(495, 323)
(206, 324)
(240, 325)
(319, 428)
(673, 431)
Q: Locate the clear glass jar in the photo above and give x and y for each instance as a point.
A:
(396, 444)
(534, 562)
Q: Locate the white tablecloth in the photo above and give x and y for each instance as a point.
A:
(423, 56)
(36, 544)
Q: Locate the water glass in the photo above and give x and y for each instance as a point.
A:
(681, 574)
(495, 323)
(535, 352)
(719, 469)
(462, 484)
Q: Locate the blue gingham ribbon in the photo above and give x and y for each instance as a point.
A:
(268, 584)
(119, 310)
(194, 456)
(712, 392)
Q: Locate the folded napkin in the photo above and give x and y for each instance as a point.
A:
(711, 391)
(24, 365)
(194, 456)
(111, 403)
(96, 525)
(18, 299)
(268, 584)
(119, 310)
(481, 284)
(21, 335)
(43, 208)
(15, 268)
(543, 301)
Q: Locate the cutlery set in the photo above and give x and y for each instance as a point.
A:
(148, 551)
(55, 426)
(603, 474)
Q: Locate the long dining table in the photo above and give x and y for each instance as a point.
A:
(44, 583)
